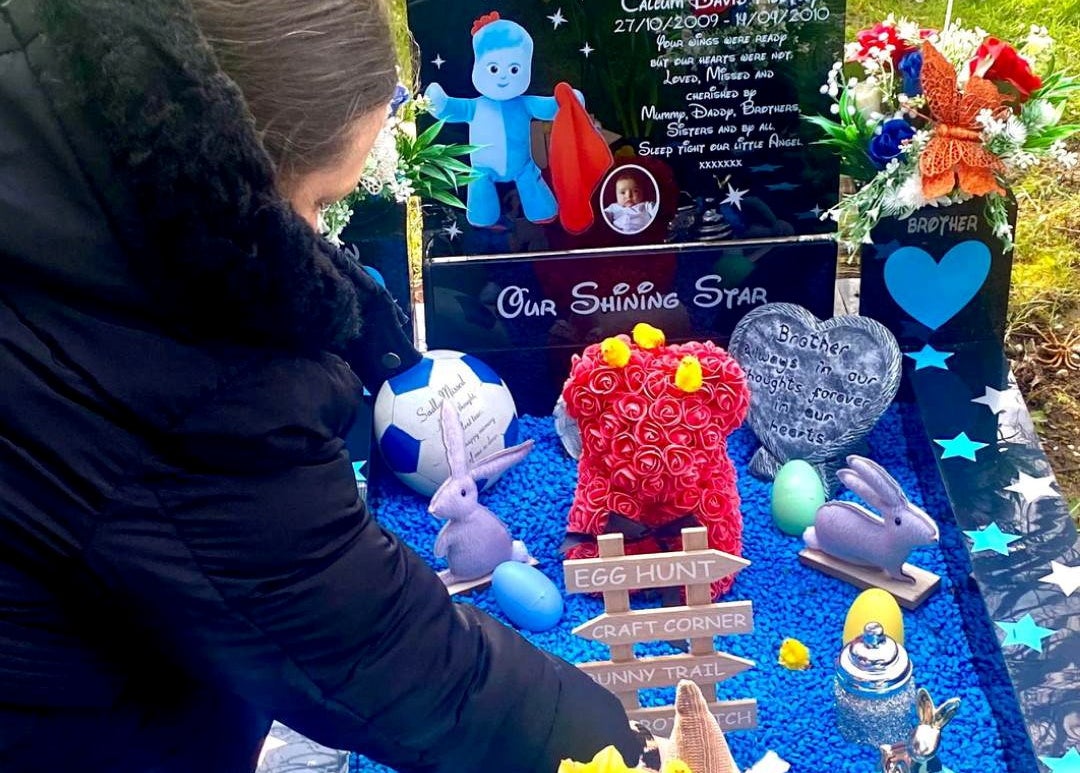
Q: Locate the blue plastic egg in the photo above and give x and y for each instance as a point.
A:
(526, 596)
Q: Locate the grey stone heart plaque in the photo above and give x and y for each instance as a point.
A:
(816, 388)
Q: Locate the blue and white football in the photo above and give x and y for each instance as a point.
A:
(407, 409)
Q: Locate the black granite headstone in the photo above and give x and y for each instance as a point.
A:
(816, 388)
(700, 100)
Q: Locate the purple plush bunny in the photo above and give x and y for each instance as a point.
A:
(473, 541)
(852, 533)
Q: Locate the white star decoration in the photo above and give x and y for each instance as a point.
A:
(269, 745)
(587, 49)
(438, 61)
(557, 18)
(452, 231)
(999, 401)
(734, 197)
(1033, 489)
(817, 211)
(1065, 577)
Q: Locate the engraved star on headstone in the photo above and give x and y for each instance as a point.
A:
(586, 49)
(734, 197)
(452, 231)
(557, 18)
(438, 61)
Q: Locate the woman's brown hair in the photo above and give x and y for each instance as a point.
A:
(308, 69)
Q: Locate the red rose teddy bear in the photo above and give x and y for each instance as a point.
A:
(654, 421)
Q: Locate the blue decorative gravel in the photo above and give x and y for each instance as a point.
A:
(954, 650)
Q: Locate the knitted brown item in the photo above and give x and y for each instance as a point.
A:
(697, 738)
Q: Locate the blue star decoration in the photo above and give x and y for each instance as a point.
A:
(929, 357)
(1069, 763)
(1026, 632)
(991, 538)
(961, 446)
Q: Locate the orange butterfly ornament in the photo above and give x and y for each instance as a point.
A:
(955, 151)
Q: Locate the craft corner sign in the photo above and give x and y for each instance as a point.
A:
(670, 623)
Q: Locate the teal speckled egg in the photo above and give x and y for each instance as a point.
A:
(797, 494)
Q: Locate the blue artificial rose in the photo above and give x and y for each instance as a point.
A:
(911, 71)
(401, 96)
(885, 145)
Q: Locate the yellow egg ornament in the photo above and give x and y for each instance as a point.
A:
(874, 606)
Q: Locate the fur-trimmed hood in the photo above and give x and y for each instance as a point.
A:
(176, 189)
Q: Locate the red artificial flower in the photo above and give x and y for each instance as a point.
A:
(697, 416)
(712, 438)
(879, 38)
(652, 487)
(686, 499)
(588, 405)
(648, 433)
(649, 461)
(634, 374)
(603, 381)
(623, 477)
(611, 425)
(624, 504)
(999, 62)
(632, 407)
(681, 436)
(678, 461)
(666, 411)
(623, 446)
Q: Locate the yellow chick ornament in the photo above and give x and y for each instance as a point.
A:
(648, 337)
(607, 760)
(794, 655)
(688, 376)
(615, 352)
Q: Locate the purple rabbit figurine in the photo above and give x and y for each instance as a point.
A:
(852, 533)
(473, 541)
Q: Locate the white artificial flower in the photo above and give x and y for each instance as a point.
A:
(908, 31)
(834, 109)
(1015, 131)
(1063, 156)
(1038, 41)
(910, 194)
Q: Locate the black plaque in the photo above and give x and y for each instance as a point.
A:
(816, 388)
(700, 101)
(525, 315)
(940, 276)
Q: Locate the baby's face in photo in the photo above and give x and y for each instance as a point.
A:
(627, 192)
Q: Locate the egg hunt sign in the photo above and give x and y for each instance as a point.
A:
(662, 570)
(677, 121)
(615, 574)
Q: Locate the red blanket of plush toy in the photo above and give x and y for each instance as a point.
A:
(652, 451)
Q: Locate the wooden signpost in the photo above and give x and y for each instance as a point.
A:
(615, 574)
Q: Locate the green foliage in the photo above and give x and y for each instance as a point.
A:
(434, 169)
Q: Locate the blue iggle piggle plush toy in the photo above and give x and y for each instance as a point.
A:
(500, 124)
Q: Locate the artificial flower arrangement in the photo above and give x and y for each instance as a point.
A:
(929, 117)
(403, 164)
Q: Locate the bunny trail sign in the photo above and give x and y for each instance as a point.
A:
(695, 567)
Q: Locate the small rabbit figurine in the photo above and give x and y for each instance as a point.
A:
(473, 541)
(919, 754)
(852, 533)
